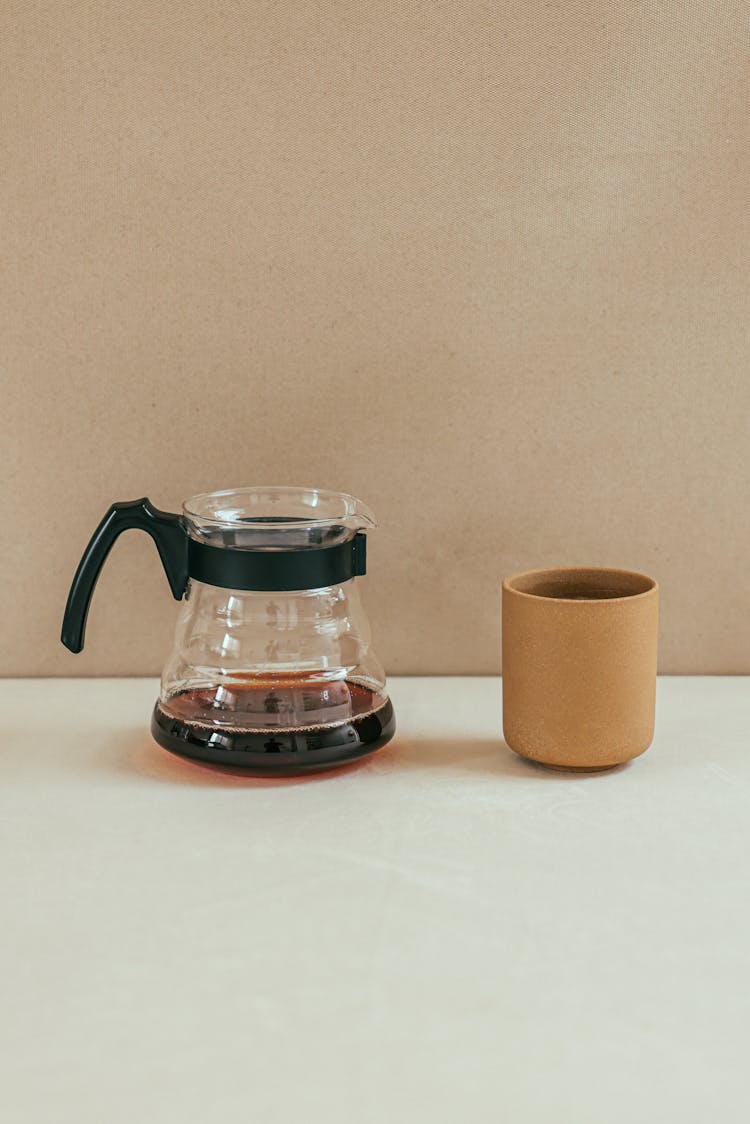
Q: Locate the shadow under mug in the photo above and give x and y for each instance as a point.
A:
(579, 665)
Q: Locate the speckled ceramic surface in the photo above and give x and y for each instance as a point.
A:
(579, 665)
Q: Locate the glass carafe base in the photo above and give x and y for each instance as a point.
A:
(257, 736)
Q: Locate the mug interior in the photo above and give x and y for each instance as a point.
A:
(581, 583)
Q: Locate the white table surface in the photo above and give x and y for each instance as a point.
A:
(444, 933)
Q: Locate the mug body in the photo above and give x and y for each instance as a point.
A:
(579, 665)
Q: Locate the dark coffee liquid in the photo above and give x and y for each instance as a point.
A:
(275, 725)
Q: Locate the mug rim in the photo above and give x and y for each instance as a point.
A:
(550, 572)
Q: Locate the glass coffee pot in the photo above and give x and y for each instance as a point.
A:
(272, 668)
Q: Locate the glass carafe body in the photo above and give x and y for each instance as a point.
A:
(277, 679)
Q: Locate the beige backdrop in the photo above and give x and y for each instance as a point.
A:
(485, 265)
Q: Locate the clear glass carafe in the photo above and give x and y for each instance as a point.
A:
(272, 679)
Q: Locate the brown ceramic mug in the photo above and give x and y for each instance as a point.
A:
(579, 665)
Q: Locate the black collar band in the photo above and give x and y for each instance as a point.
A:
(312, 567)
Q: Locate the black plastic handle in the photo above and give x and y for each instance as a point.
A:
(168, 532)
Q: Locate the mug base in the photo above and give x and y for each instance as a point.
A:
(578, 768)
(556, 767)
